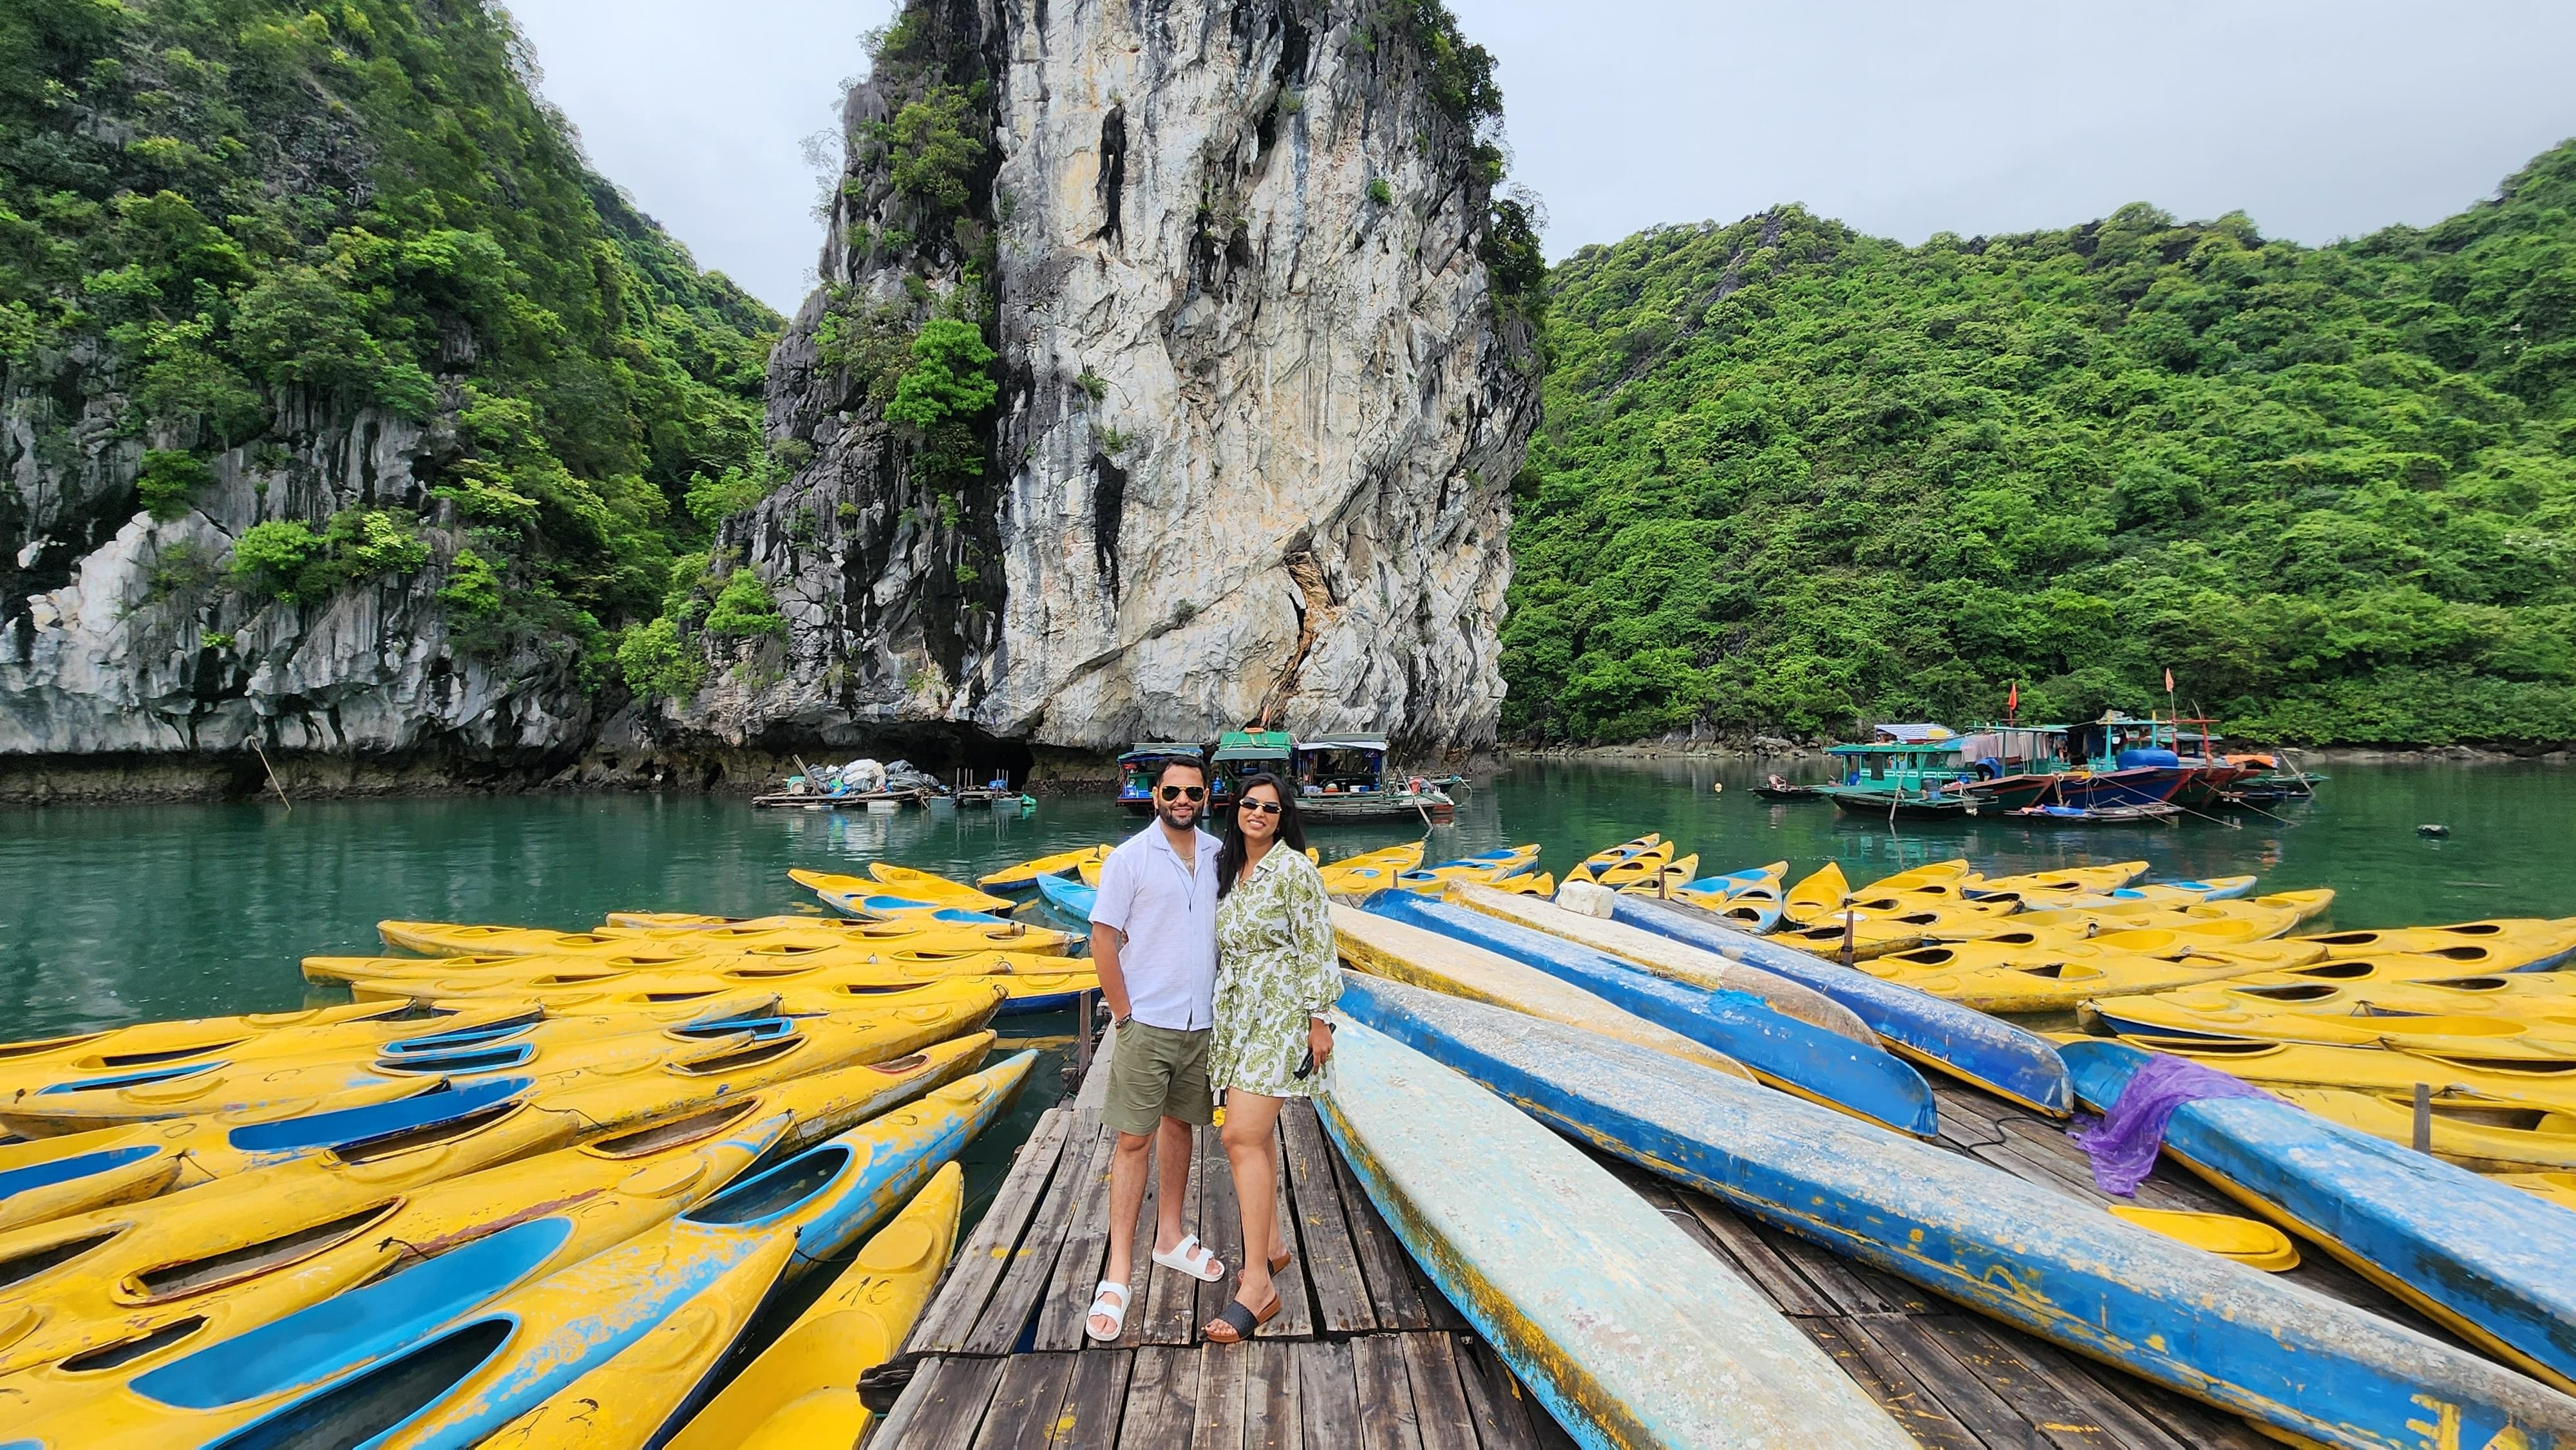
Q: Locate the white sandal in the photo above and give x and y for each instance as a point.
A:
(1116, 1313)
(1192, 1258)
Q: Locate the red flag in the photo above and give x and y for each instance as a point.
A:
(2168, 679)
(2012, 701)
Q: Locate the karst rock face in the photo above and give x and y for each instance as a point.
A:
(1258, 412)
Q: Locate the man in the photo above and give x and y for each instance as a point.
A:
(1153, 939)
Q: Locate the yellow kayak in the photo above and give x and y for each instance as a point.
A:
(660, 923)
(872, 898)
(389, 1026)
(602, 1043)
(2424, 968)
(2557, 1188)
(1088, 873)
(235, 1254)
(1816, 896)
(1541, 885)
(802, 1391)
(1663, 880)
(1868, 938)
(2257, 919)
(1591, 867)
(1426, 959)
(1024, 877)
(574, 991)
(2481, 1134)
(2014, 982)
(444, 939)
(2464, 1034)
(2548, 1085)
(2034, 887)
(1643, 865)
(2501, 945)
(1931, 876)
(1021, 992)
(1371, 870)
(930, 886)
(890, 967)
(1480, 869)
(631, 1396)
(150, 1044)
(2553, 1010)
(2216, 888)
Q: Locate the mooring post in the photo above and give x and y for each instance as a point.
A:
(1082, 1011)
(2424, 1118)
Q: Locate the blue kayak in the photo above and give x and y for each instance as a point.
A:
(1068, 898)
(1626, 1331)
(2490, 1262)
(1784, 1052)
(1965, 1043)
(2219, 1331)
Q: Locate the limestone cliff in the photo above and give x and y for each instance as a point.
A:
(1258, 409)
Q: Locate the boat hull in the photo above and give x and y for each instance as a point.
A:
(2475, 1255)
(1961, 1041)
(1615, 1321)
(2213, 1329)
(2144, 785)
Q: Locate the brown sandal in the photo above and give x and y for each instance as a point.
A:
(1280, 1264)
(1234, 1323)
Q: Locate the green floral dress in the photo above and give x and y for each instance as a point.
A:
(1275, 967)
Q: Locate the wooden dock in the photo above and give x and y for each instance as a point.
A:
(1368, 1354)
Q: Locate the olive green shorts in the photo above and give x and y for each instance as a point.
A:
(1157, 1073)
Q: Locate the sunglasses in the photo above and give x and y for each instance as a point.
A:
(1176, 792)
(1267, 808)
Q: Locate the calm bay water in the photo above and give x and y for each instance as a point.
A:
(114, 914)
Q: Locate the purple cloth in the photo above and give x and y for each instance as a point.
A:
(2125, 1144)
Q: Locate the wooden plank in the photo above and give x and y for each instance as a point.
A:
(1221, 1229)
(1219, 1423)
(1394, 1298)
(1833, 1278)
(2193, 1423)
(1086, 1240)
(1162, 1399)
(1170, 1311)
(1768, 1272)
(1095, 1400)
(943, 1406)
(2055, 1416)
(1033, 1267)
(1969, 1397)
(1328, 1400)
(1271, 1405)
(1025, 1402)
(2081, 1382)
(1143, 1273)
(1330, 1259)
(1440, 1410)
(1914, 1408)
(994, 1246)
(1385, 1394)
(1296, 1306)
(1495, 1400)
(1094, 1091)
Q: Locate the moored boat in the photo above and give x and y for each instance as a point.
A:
(2470, 1253)
(1343, 778)
(1137, 768)
(1617, 1323)
(2222, 1332)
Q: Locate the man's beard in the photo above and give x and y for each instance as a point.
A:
(1180, 815)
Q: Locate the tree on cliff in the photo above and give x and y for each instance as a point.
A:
(1796, 477)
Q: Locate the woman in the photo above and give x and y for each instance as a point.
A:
(1276, 976)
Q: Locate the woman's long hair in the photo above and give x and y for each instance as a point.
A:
(1292, 831)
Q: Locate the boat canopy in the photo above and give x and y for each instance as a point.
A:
(2014, 744)
(1918, 734)
(1254, 745)
(1894, 750)
(1149, 751)
(1340, 764)
(1342, 742)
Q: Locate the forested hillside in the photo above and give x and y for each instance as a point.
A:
(1795, 478)
(229, 228)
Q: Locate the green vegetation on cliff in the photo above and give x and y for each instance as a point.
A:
(242, 220)
(1792, 477)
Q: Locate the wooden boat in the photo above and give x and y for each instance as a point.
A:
(1967, 1044)
(1777, 789)
(803, 1389)
(2519, 944)
(1665, 957)
(1137, 768)
(1022, 880)
(1343, 778)
(1399, 952)
(2231, 1336)
(1619, 1325)
(1856, 1077)
(1887, 805)
(2142, 814)
(2469, 1253)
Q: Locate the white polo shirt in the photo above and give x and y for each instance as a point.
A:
(1167, 913)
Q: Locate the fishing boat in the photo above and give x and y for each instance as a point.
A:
(1624, 1329)
(1342, 778)
(1780, 788)
(2138, 815)
(2300, 1364)
(1857, 1077)
(1907, 774)
(1241, 753)
(2469, 1253)
(1136, 770)
(1960, 1041)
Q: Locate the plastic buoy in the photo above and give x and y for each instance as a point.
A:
(2432, 828)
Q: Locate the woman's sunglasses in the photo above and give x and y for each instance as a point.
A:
(1175, 792)
(1267, 808)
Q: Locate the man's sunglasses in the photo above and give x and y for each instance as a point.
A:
(1176, 792)
(1267, 808)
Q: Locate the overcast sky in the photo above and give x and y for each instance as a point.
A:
(2320, 119)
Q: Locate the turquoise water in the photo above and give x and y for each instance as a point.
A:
(115, 914)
